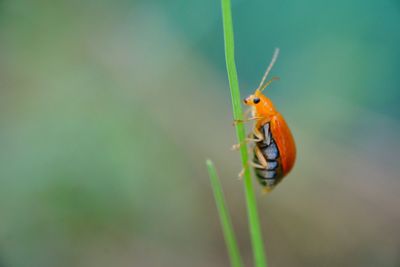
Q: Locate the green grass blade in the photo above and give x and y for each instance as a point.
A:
(227, 228)
(254, 224)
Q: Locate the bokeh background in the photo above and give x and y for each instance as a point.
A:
(108, 110)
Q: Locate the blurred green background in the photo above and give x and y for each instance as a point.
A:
(108, 110)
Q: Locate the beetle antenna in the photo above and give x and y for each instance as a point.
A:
(274, 57)
(268, 83)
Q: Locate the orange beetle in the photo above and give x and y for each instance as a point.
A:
(274, 150)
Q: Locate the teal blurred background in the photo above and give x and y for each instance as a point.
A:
(108, 110)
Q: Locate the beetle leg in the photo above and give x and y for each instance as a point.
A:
(259, 166)
(263, 162)
(241, 173)
(263, 165)
(244, 116)
(235, 122)
(246, 141)
(259, 135)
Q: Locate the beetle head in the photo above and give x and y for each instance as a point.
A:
(254, 99)
(262, 105)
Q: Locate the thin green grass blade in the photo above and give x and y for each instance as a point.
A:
(227, 228)
(254, 224)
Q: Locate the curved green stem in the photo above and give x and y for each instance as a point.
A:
(229, 235)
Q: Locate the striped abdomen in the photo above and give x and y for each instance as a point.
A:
(273, 173)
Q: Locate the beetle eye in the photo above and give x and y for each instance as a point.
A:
(256, 100)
